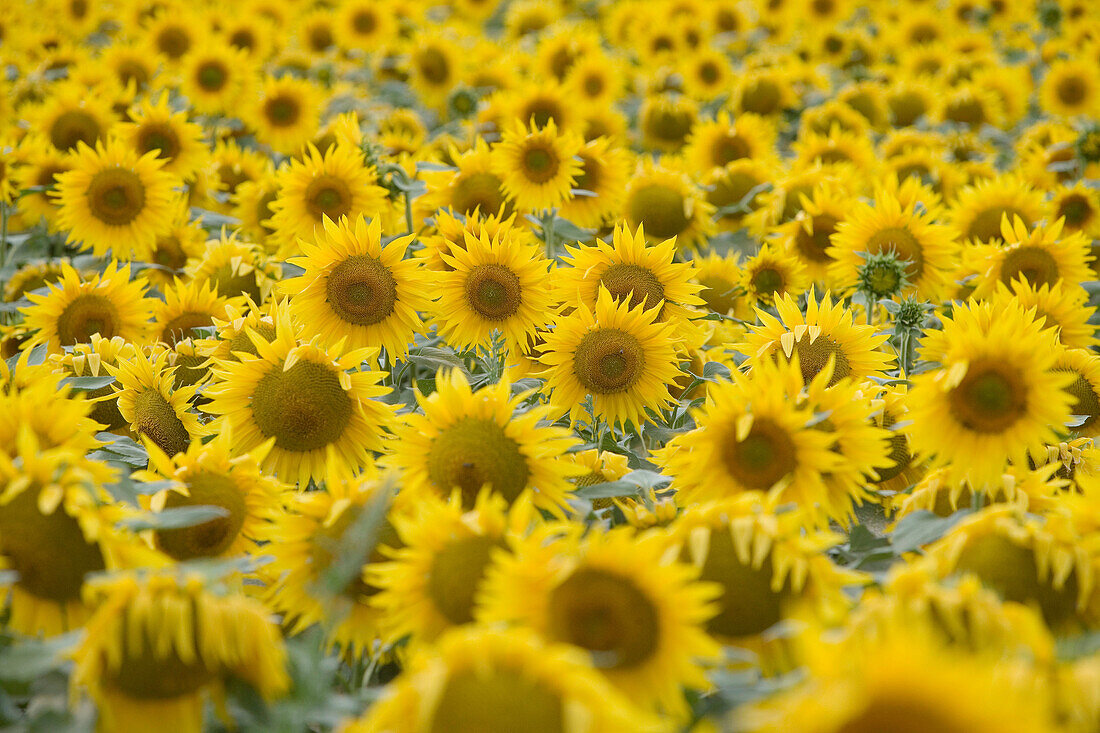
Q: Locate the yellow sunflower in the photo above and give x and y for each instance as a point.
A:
(904, 680)
(1040, 256)
(1069, 88)
(632, 272)
(808, 235)
(114, 200)
(893, 226)
(995, 395)
(980, 208)
(835, 148)
(42, 163)
(286, 114)
(210, 475)
(162, 642)
(311, 400)
(665, 121)
(668, 204)
(234, 268)
(432, 582)
(601, 183)
(617, 596)
(719, 142)
(1084, 366)
(770, 568)
(1038, 560)
(53, 532)
(497, 284)
(471, 186)
(502, 680)
(331, 185)
(736, 190)
(435, 65)
(771, 274)
(72, 310)
(310, 579)
(70, 116)
(720, 278)
(186, 306)
(1061, 306)
(364, 25)
(1079, 206)
(623, 357)
(154, 407)
(178, 142)
(940, 493)
(469, 440)
(91, 360)
(356, 291)
(537, 166)
(825, 332)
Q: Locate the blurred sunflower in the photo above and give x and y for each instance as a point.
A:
(286, 114)
(980, 208)
(667, 203)
(234, 268)
(601, 182)
(639, 615)
(186, 306)
(1040, 256)
(537, 166)
(1069, 88)
(162, 642)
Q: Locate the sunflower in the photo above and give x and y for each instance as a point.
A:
(310, 578)
(617, 596)
(719, 142)
(432, 582)
(287, 113)
(53, 531)
(1079, 206)
(155, 127)
(906, 679)
(161, 642)
(1036, 560)
(809, 233)
(364, 25)
(665, 121)
(601, 181)
(467, 441)
(356, 291)
(333, 185)
(766, 92)
(42, 163)
(501, 680)
(940, 493)
(70, 116)
(720, 278)
(707, 73)
(900, 470)
(154, 407)
(834, 148)
(35, 396)
(1062, 306)
(34, 276)
(622, 356)
(768, 566)
(186, 306)
(311, 400)
(74, 309)
(1040, 256)
(130, 64)
(542, 101)
(114, 200)
(473, 186)
(737, 190)
(252, 202)
(451, 228)
(1069, 88)
(235, 165)
(995, 395)
(771, 274)
(668, 203)
(209, 475)
(234, 268)
(232, 330)
(980, 208)
(596, 80)
(171, 32)
(91, 360)
(633, 273)
(435, 64)
(825, 333)
(1084, 366)
(496, 284)
(894, 226)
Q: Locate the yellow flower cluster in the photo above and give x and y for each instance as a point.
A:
(575, 366)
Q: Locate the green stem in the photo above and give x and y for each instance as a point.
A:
(408, 213)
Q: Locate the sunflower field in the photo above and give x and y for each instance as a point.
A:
(550, 366)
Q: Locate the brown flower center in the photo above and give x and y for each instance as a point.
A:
(116, 196)
(763, 458)
(608, 361)
(361, 290)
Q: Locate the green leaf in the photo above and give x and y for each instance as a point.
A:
(715, 370)
(357, 542)
(645, 479)
(433, 359)
(28, 659)
(921, 528)
(178, 517)
(89, 383)
(608, 490)
(120, 449)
